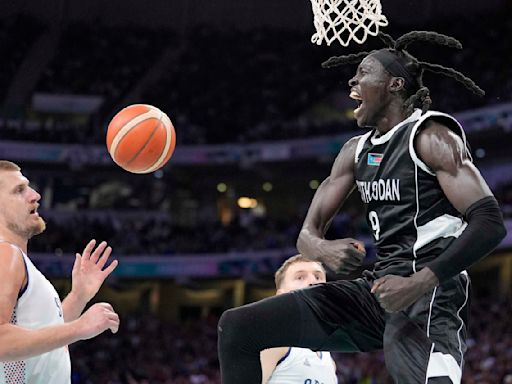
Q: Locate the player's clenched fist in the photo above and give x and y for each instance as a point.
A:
(342, 256)
(96, 320)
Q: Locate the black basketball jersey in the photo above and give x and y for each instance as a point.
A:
(411, 219)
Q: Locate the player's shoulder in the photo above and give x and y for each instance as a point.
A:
(352, 145)
(355, 140)
(436, 120)
(439, 144)
(10, 253)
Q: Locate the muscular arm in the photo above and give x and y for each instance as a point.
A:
(331, 194)
(269, 359)
(328, 199)
(443, 152)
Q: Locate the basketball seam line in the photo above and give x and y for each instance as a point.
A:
(125, 130)
(147, 141)
(168, 141)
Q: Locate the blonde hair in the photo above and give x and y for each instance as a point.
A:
(6, 165)
(279, 275)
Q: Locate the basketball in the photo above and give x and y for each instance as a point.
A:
(141, 138)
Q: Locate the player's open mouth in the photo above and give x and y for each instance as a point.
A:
(357, 97)
(34, 212)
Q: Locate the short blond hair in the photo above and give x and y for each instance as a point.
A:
(6, 165)
(279, 275)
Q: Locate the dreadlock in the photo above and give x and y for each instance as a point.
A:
(336, 61)
(419, 96)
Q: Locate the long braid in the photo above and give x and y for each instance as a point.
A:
(433, 37)
(347, 59)
(387, 39)
(450, 72)
(421, 99)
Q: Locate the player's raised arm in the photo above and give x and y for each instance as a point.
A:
(339, 255)
(17, 343)
(445, 154)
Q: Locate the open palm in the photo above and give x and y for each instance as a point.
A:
(88, 274)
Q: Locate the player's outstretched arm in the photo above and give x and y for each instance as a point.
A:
(87, 277)
(444, 152)
(18, 343)
(343, 255)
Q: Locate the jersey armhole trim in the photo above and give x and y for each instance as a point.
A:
(285, 356)
(24, 289)
(414, 132)
(360, 144)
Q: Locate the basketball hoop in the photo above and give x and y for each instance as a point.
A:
(346, 20)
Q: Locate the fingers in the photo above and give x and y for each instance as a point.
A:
(111, 316)
(86, 254)
(110, 268)
(358, 245)
(113, 320)
(103, 259)
(77, 264)
(106, 306)
(356, 254)
(378, 283)
(352, 264)
(380, 289)
(98, 251)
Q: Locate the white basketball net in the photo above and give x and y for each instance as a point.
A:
(346, 20)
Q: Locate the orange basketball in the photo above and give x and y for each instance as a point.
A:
(141, 138)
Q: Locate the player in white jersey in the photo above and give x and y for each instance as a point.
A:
(35, 327)
(292, 365)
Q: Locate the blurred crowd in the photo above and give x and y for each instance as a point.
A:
(148, 350)
(244, 86)
(160, 232)
(146, 235)
(17, 34)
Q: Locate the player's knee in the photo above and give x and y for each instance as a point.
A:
(231, 327)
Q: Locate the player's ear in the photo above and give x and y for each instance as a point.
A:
(396, 84)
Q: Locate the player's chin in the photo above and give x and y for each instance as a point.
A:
(361, 119)
(361, 122)
(38, 227)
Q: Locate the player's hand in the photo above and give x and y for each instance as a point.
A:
(96, 320)
(88, 274)
(342, 256)
(395, 293)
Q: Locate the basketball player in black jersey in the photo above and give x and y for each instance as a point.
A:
(432, 216)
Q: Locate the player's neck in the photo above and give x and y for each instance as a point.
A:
(393, 115)
(13, 238)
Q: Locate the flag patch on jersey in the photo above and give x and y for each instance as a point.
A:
(374, 159)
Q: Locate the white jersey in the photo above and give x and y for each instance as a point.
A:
(303, 366)
(38, 306)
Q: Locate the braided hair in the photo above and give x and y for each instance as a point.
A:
(418, 94)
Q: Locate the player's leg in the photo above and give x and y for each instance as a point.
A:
(332, 316)
(426, 343)
(282, 320)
